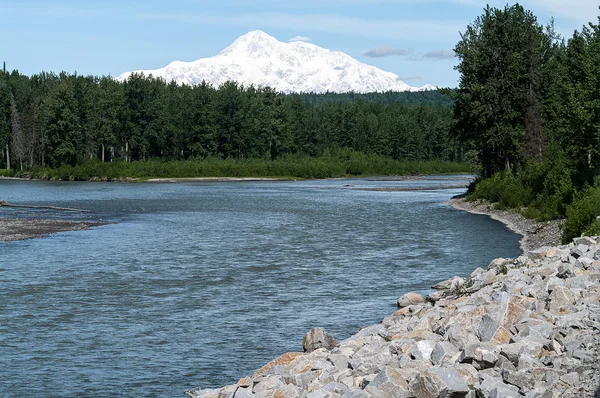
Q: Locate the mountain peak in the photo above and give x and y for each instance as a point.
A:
(256, 35)
(252, 42)
(259, 59)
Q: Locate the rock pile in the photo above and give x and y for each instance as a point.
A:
(524, 327)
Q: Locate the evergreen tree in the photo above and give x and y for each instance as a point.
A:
(498, 102)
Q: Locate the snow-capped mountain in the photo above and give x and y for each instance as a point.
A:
(261, 60)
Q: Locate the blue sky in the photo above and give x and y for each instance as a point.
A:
(412, 38)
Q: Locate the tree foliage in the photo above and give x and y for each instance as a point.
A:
(67, 119)
(529, 102)
(503, 58)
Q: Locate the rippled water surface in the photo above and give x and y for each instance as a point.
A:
(197, 285)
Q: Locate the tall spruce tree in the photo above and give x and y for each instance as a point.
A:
(498, 104)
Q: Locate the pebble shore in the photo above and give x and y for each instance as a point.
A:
(13, 229)
(524, 327)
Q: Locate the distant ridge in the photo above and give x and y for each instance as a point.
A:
(296, 67)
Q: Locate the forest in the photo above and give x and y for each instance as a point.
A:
(529, 103)
(69, 120)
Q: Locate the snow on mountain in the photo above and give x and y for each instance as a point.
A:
(261, 60)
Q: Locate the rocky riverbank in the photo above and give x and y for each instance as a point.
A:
(528, 327)
(534, 233)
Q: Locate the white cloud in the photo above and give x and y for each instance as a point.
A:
(439, 54)
(385, 51)
(299, 38)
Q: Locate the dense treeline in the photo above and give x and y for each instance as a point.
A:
(429, 97)
(68, 119)
(529, 102)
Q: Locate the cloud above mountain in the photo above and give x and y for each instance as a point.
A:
(299, 38)
(386, 51)
(440, 54)
(409, 53)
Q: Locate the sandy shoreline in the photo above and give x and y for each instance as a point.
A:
(534, 233)
(215, 179)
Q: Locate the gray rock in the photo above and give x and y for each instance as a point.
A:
(487, 328)
(490, 383)
(565, 271)
(443, 353)
(585, 241)
(318, 338)
(242, 393)
(468, 372)
(206, 393)
(540, 393)
(264, 383)
(303, 380)
(410, 299)
(576, 253)
(329, 390)
(451, 382)
(340, 361)
(485, 357)
(553, 282)
(439, 382)
(511, 352)
(560, 296)
(572, 345)
(390, 383)
(369, 364)
(422, 350)
(571, 379)
(526, 361)
(584, 355)
(356, 394)
(519, 379)
(502, 391)
(467, 355)
(449, 283)
(504, 363)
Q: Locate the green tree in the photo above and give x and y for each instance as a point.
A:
(497, 105)
(63, 126)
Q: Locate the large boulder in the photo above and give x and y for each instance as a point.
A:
(410, 299)
(439, 382)
(318, 338)
(389, 383)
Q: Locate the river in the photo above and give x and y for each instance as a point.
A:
(198, 284)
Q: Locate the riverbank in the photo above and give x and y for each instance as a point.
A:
(214, 179)
(528, 326)
(13, 229)
(288, 167)
(534, 233)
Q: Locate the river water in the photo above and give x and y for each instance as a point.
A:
(198, 284)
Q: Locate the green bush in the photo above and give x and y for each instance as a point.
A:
(333, 164)
(541, 190)
(582, 215)
(505, 189)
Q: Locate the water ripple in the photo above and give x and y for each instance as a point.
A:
(200, 284)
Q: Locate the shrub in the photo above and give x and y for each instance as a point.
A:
(582, 215)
